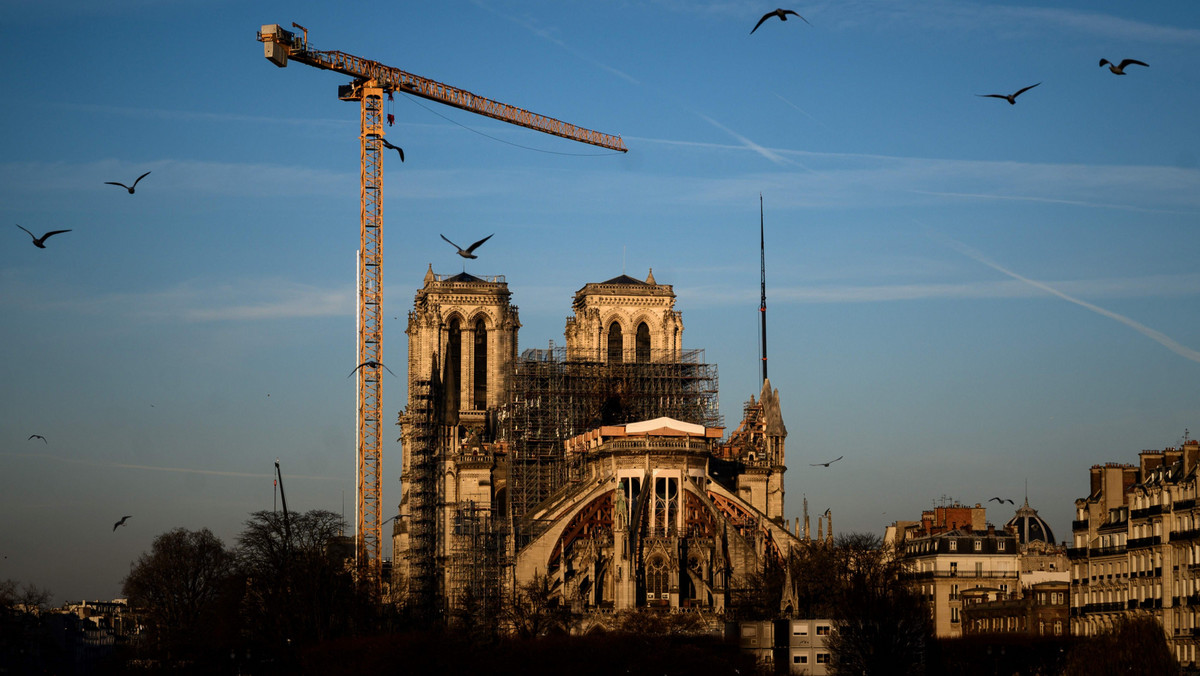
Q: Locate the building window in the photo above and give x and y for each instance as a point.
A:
(822, 630)
(800, 630)
(979, 545)
(1000, 545)
(656, 578)
(822, 658)
(954, 545)
(453, 367)
(799, 659)
(616, 346)
(479, 396)
(642, 344)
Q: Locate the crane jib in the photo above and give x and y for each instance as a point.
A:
(394, 79)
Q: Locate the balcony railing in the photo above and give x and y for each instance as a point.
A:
(971, 574)
(1079, 525)
(1152, 510)
(1143, 542)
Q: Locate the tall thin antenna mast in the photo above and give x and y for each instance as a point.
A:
(762, 307)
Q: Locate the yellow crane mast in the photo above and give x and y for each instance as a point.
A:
(372, 81)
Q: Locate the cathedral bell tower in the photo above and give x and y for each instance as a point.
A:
(625, 320)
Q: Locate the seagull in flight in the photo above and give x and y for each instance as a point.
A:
(39, 242)
(121, 522)
(1011, 98)
(466, 253)
(825, 464)
(128, 187)
(392, 147)
(1001, 500)
(781, 13)
(1119, 69)
(369, 364)
(37, 436)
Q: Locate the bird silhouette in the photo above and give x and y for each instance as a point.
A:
(1011, 98)
(1001, 500)
(37, 436)
(39, 242)
(825, 464)
(392, 147)
(121, 522)
(781, 13)
(466, 253)
(1119, 69)
(128, 187)
(370, 364)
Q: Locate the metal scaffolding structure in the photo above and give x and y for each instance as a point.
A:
(420, 425)
(552, 399)
(474, 564)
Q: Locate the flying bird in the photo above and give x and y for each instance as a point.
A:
(1011, 98)
(825, 464)
(121, 522)
(1001, 500)
(39, 242)
(392, 147)
(781, 13)
(1120, 69)
(370, 364)
(128, 187)
(37, 436)
(466, 253)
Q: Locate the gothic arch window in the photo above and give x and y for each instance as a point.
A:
(616, 344)
(453, 379)
(642, 341)
(657, 583)
(479, 395)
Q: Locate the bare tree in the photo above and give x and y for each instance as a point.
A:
(1134, 646)
(535, 612)
(881, 625)
(177, 584)
(300, 588)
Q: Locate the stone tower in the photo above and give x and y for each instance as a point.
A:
(465, 328)
(462, 342)
(624, 320)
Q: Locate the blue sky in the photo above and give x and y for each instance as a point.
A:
(963, 295)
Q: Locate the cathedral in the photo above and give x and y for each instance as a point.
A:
(599, 469)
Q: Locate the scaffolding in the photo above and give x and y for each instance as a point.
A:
(552, 399)
(474, 565)
(420, 431)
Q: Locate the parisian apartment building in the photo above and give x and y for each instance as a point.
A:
(1136, 547)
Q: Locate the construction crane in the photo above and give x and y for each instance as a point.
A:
(372, 82)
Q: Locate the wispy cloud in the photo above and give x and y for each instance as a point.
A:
(1157, 336)
(1051, 200)
(249, 179)
(244, 300)
(999, 19)
(158, 468)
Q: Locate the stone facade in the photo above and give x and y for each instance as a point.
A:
(1136, 547)
(601, 471)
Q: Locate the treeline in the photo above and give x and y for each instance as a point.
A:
(283, 599)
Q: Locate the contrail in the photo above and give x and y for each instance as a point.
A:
(1185, 352)
(155, 468)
